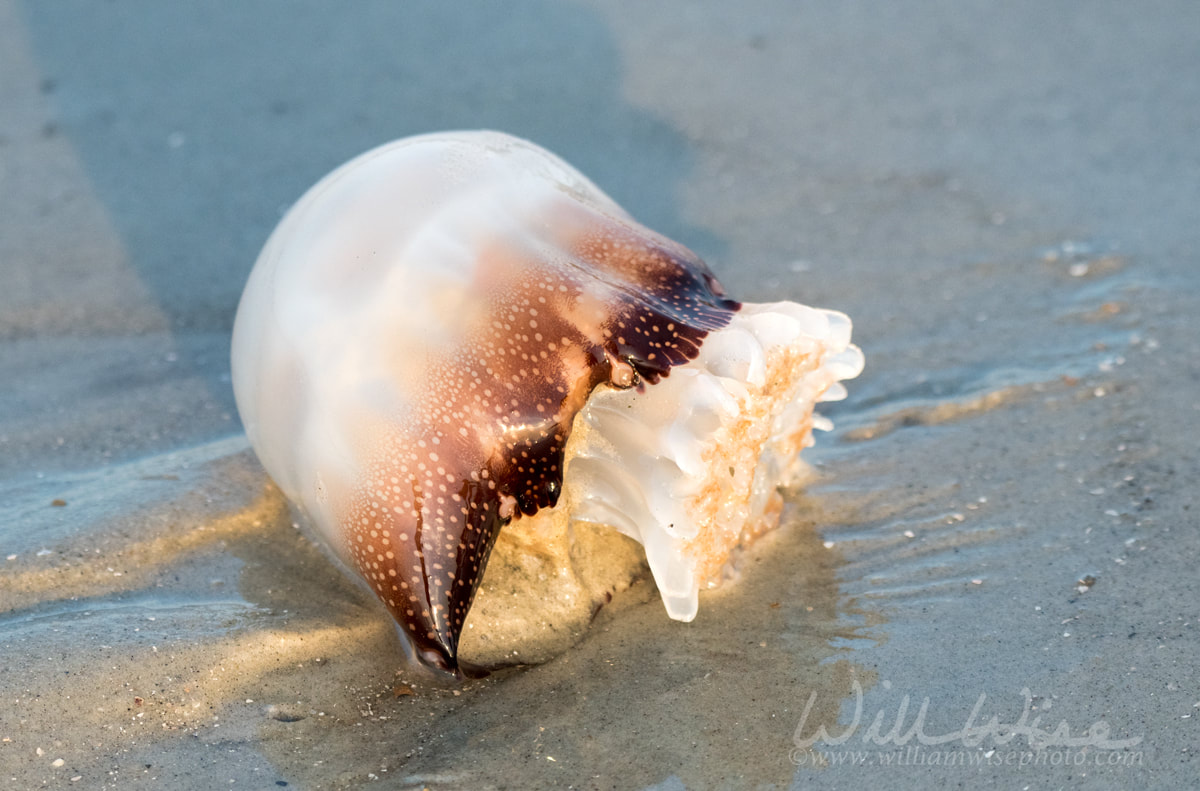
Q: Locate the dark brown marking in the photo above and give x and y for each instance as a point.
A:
(440, 496)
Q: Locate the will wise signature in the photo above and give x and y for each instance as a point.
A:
(1097, 735)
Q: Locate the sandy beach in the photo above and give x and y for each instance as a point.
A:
(989, 578)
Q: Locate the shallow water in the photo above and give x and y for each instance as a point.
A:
(944, 511)
(1005, 502)
(198, 613)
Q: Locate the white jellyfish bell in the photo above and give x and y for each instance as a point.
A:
(458, 331)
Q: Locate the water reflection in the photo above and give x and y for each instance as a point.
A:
(640, 699)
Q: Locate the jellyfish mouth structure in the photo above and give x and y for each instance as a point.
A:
(457, 331)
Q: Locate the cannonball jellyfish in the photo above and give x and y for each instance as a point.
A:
(457, 334)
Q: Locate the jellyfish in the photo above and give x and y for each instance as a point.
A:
(458, 334)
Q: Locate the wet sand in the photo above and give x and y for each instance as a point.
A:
(1002, 199)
